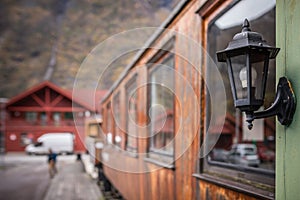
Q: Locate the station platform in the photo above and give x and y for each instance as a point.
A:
(73, 183)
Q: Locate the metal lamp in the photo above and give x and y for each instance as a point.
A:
(247, 57)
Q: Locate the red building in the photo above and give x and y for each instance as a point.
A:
(43, 109)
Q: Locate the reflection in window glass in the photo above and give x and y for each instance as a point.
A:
(131, 103)
(161, 110)
(237, 145)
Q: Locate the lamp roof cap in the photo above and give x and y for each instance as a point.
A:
(244, 40)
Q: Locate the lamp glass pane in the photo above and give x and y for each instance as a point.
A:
(238, 64)
(257, 71)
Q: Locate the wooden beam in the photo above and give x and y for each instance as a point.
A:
(38, 128)
(40, 109)
(209, 7)
(56, 100)
(38, 100)
(47, 96)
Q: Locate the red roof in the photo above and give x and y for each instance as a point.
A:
(78, 99)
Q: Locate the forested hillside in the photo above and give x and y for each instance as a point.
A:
(49, 39)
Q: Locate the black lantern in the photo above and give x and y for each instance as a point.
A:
(247, 57)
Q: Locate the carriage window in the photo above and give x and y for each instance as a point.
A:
(131, 111)
(161, 107)
(238, 148)
(117, 120)
(109, 124)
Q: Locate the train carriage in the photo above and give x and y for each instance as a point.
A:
(172, 131)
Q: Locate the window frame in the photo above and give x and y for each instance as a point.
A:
(163, 55)
(109, 123)
(132, 83)
(246, 179)
(117, 117)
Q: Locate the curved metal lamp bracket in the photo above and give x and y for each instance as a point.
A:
(284, 105)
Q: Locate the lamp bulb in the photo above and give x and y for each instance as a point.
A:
(243, 77)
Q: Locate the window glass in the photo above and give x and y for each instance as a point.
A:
(237, 146)
(131, 111)
(117, 119)
(161, 108)
(68, 115)
(31, 117)
(43, 118)
(56, 118)
(109, 124)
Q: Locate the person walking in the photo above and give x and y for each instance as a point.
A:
(52, 163)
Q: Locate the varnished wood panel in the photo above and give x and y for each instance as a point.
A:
(213, 192)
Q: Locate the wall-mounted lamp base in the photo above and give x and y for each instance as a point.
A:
(284, 105)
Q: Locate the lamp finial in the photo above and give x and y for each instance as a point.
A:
(246, 26)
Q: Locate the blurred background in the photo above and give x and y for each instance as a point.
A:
(48, 39)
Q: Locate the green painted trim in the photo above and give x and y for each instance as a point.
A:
(280, 71)
(288, 64)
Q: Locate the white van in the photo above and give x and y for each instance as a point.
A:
(58, 142)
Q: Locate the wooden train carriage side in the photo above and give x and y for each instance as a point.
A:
(159, 178)
(143, 166)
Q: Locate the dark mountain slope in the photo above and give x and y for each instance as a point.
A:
(48, 39)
